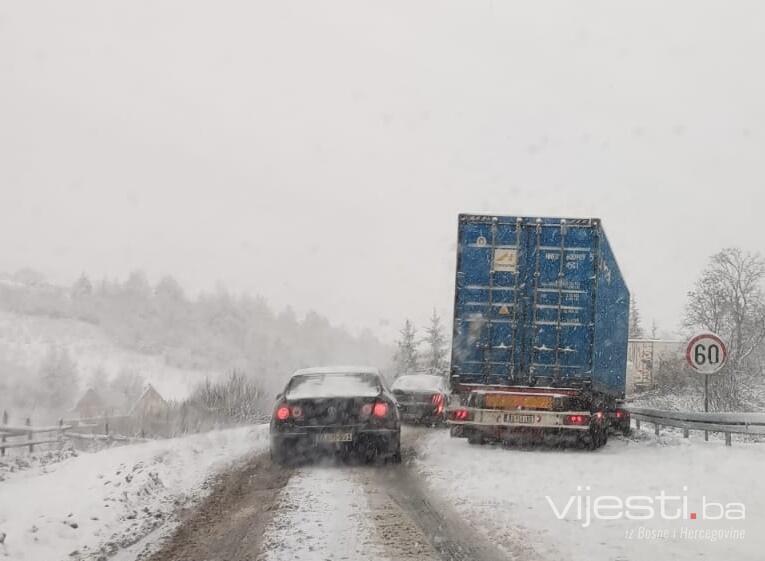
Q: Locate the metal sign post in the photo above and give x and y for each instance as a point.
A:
(706, 353)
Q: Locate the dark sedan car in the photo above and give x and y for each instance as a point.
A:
(336, 409)
(422, 398)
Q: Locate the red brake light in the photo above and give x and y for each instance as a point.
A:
(283, 413)
(380, 409)
(438, 401)
(619, 413)
(461, 415)
(576, 419)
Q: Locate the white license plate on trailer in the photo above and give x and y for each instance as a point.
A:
(329, 437)
(519, 419)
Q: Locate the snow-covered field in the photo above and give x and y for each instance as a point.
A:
(25, 340)
(105, 501)
(506, 495)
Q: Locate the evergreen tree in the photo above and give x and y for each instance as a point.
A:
(82, 287)
(636, 328)
(435, 358)
(58, 379)
(406, 350)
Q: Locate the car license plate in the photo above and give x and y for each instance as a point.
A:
(520, 419)
(325, 437)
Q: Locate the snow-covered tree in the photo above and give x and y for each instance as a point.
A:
(728, 299)
(82, 287)
(636, 328)
(406, 350)
(435, 341)
(169, 290)
(58, 379)
(126, 387)
(137, 286)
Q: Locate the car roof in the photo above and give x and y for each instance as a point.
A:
(337, 370)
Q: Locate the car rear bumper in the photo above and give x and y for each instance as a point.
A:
(485, 419)
(384, 440)
(420, 415)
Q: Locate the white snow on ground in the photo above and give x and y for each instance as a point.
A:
(25, 340)
(501, 493)
(113, 497)
(323, 514)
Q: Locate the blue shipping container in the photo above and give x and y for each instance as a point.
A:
(538, 301)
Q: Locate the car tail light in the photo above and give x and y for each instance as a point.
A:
(461, 415)
(297, 412)
(380, 409)
(366, 410)
(620, 414)
(438, 401)
(576, 420)
(283, 413)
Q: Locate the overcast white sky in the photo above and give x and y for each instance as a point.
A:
(318, 153)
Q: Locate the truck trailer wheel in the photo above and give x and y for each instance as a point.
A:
(475, 437)
(597, 436)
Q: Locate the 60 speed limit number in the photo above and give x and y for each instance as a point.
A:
(706, 353)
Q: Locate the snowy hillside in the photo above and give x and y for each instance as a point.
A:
(25, 340)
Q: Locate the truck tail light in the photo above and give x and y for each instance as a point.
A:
(579, 420)
(461, 415)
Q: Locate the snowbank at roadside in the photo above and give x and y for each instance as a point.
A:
(506, 494)
(97, 503)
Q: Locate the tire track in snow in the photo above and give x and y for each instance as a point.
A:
(333, 512)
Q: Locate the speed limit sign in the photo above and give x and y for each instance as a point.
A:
(706, 353)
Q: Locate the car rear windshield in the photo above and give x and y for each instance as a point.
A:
(328, 385)
(419, 383)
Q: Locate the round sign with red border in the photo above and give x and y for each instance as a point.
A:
(706, 353)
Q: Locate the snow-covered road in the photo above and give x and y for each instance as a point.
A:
(336, 512)
(447, 501)
(510, 495)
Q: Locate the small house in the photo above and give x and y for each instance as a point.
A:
(91, 404)
(150, 404)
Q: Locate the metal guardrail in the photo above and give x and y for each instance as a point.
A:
(726, 423)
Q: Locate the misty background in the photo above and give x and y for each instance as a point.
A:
(313, 157)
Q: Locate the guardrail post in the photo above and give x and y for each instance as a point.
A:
(637, 424)
(61, 429)
(29, 434)
(728, 439)
(685, 433)
(656, 428)
(2, 439)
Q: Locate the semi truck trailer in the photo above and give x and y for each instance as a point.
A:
(541, 322)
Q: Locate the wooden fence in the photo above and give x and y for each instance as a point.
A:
(28, 436)
(98, 431)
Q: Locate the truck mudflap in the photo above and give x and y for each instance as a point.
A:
(570, 420)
